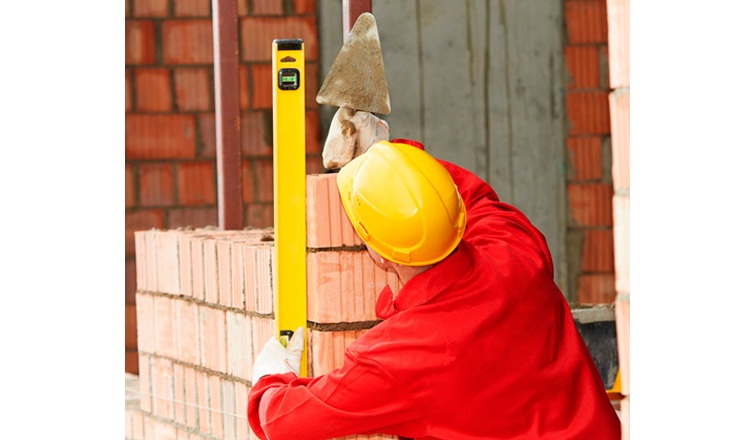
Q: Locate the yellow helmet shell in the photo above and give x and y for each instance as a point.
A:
(403, 203)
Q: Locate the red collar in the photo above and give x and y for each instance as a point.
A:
(425, 286)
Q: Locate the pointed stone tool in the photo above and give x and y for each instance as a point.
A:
(357, 78)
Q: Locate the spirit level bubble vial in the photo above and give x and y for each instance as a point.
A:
(290, 274)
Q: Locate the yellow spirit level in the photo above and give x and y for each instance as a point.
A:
(290, 275)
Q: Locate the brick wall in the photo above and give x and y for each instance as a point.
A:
(170, 140)
(204, 305)
(618, 12)
(589, 177)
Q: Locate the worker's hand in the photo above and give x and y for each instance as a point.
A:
(351, 134)
(275, 359)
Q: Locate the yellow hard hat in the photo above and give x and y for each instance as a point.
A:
(403, 204)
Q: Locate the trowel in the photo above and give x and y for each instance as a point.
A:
(356, 83)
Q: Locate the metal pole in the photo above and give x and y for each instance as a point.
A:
(352, 9)
(226, 86)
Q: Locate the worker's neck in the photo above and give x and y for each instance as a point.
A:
(405, 273)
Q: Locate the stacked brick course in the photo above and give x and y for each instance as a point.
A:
(589, 182)
(170, 134)
(204, 303)
(618, 12)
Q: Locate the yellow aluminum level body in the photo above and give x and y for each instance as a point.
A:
(290, 274)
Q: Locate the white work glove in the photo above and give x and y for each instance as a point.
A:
(351, 134)
(275, 359)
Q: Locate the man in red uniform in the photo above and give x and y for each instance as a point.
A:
(478, 344)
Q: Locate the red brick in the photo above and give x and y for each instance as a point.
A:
(258, 33)
(313, 164)
(167, 254)
(618, 12)
(164, 322)
(264, 177)
(213, 339)
(238, 276)
(224, 266)
(625, 417)
(198, 260)
(588, 113)
(591, 204)
(343, 286)
(586, 21)
(128, 92)
(267, 7)
(192, 8)
(207, 138)
(141, 262)
(150, 8)
(192, 89)
(140, 221)
(239, 349)
(312, 132)
(242, 8)
(202, 386)
(262, 80)
(255, 141)
(179, 394)
(191, 398)
(621, 208)
(149, 429)
(164, 431)
(129, 186)
(186, 266)
(583, 64)
(130, 281)
(620, 113)
(196, 217)
(328, 224)
(311, 86)
(188, 346)
(263, 329)
(156, 184)
(215, 403)
(585, 155)
(258, 281)
(227, 408)
(210, 274)
(241, 392)
(248, 182)
(144, 306)
(196, 183)
(131, 362)
(144, 373)
(304, 7)
(260, 215)
(596, 289)
(244, 75)
(327, 349)
(187, 41)
(163, 386)
(598, 251)
(139, 42)
(159, 136)
(131, 342)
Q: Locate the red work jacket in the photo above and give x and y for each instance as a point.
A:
(481, 346)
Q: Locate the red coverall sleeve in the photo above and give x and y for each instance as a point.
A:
(359, 398)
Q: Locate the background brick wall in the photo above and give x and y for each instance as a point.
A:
(589, 177)
(170, 134)
(204, 304)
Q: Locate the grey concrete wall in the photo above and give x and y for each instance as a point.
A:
(480, 83)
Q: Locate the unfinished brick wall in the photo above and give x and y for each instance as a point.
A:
(618, 12)
(589, 178)
(170, 135)
(204, 304)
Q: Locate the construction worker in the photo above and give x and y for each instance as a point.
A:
(478, 344)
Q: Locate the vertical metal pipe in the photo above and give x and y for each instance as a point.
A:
(226, 86)
(352, 9)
